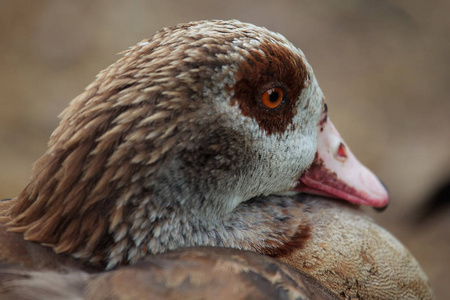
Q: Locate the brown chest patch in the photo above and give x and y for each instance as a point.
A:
(274, 65)
(296, 242)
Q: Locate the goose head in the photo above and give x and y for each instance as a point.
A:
(170, 144)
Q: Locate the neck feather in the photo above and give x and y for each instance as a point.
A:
(112, 237)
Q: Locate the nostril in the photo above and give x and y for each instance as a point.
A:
(341, 152)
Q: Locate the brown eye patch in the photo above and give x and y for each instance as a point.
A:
(273, 65)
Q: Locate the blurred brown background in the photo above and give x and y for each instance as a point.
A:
(383, 65)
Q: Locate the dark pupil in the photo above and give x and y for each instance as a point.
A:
(274, 97)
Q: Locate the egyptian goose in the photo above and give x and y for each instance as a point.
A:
(175, 145)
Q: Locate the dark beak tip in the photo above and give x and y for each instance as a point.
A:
(381, 209)
(382, 183)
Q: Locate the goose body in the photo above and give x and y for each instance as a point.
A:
(189, 273)
(347, 256)
(177, 145)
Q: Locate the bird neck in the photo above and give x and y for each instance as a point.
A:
(274, 226)
(122, 235)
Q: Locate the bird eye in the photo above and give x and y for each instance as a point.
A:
(273, 97)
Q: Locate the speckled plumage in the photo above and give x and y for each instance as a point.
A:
(175, 124)
(171, 147)
(347, 256)
(192, 273)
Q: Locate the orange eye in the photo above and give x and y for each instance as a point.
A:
(273, 97)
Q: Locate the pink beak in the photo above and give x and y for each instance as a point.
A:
(335, 172)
